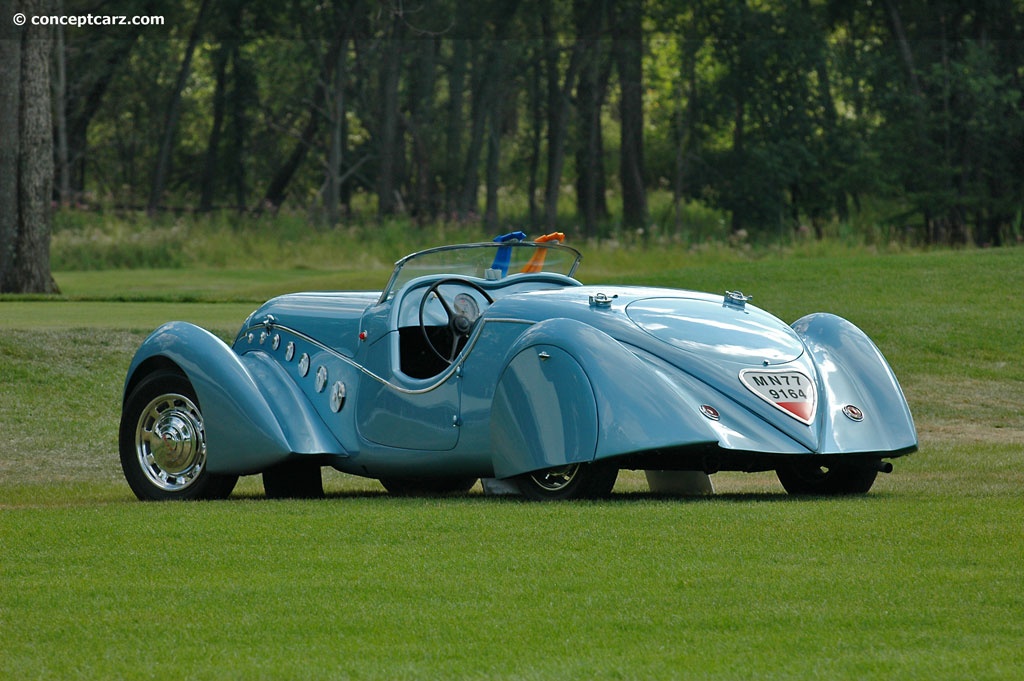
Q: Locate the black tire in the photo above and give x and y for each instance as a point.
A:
(413, 487)
(576, 481)
(294, 480)
(162, 442)
(811, 478)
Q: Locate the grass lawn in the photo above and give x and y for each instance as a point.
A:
(920, 579)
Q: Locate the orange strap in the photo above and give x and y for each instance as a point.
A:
(536, 263)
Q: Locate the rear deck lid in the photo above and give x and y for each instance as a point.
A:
(720, 333)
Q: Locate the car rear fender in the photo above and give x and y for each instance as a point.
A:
(866, 409)
(570, 393)
(255, 416)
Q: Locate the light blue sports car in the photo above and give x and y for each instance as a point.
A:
(489, 360)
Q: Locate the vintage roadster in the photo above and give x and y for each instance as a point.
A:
(489, 360)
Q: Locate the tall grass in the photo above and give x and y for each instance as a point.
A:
(103, 239)
(99, 241)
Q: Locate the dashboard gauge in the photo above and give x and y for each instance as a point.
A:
(464, 305)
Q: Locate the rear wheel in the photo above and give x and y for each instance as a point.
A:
(575, 481)
(810, 478)
(162, 442)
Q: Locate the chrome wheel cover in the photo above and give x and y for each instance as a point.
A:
(170, 442)
(556, 479)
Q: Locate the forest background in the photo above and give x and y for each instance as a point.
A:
(775, 118)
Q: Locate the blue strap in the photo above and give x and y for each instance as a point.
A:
(503, 258)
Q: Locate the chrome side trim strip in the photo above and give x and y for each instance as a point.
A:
(440, 379)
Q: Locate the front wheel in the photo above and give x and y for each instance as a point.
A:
(575, 481)
(162, 442)
(810, 478)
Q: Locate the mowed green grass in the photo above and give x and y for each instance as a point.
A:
(920, 579)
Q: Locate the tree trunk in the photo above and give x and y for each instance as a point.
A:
(738, 150)
(163, 162)
(685, 122)
(536, 132)
(208, 182)
(336, 151)
(420, 123)
(455, 123)
(29, 144)
(630, 52)
(10, 109)
(905, 52)
(920, 142)
(830, 119)
(60, 97)
(496, 111)
(242, 102)
(388, 141)
(559, 102)
(481, 85)
(589, 100)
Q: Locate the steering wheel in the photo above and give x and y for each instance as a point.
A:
(460, 320)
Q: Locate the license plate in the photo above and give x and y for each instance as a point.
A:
(791, 392)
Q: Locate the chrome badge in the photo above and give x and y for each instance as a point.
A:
(710, 412)
(853, 413)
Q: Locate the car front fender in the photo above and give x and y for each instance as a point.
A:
(254, 415)
(570, 393)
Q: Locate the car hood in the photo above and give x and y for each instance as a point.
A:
(330, 317)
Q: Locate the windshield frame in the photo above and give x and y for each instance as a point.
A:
(471, 260)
